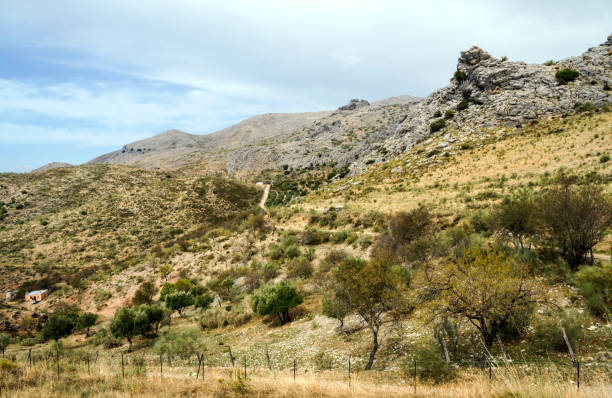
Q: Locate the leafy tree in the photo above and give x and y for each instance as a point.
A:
(127, 323)
(154, 313)
(374, 290)
(183, 342)
(57, 326)
(256, 222)
(484, 286)
(575, 218)
(223, 287)
(183, 285)
(85, 321)
(517, 217)
(167, 289)
(276, 299)
(179, 300)
(336, 309)
(5, 339)
(145, 293)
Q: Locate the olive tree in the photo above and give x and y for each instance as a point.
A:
(4, 342)
(374, 290)
(57, 326)
(178, 300)
(276, 299)
(85, 321)
(128, 323)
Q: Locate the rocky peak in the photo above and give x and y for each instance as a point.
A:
(473, 56)
(354, 104)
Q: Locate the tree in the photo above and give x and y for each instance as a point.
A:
(178, 300)
(484, 286)
(575, 218)
(183, 342)
(5, 339)
(167, 288)
(374, 290)
(336, 309)
(145, 293)
(57, 326)
(517, 217)
(405, 234)
(85, 321)
(128, 323)
(203, 301)
(276, 299)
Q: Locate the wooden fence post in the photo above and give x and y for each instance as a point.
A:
(30, 357)
(578, 375)
(96, 360)
(294, 370)
(199, 364)
(88, 369)
(122, 367)
(161, 365)
(268, 359)
(57, 360)
(229, 349)
(569, 346)
(415, 377)
(348, 357)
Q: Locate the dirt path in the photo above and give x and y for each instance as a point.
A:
(602, 256)
(264, 198)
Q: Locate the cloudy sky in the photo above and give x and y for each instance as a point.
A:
(81, 78)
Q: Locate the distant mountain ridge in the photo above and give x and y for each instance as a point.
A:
(486, 92)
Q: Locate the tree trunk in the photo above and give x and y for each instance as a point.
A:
(374, 349)
(130, 344)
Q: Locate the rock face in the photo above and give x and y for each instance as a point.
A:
(487, 92)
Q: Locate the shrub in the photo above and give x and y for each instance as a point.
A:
(106, 339)
(549, 337)
(466, 145)
(604, 159)
(459, 76)
(323, 361)
(292, 251)
(178, 300)
(584, 107)
(607, 87)
(338, 237)
(449, 114)
(351, 238)
(437, 125)
(314, 236)
(463, 104)
(57, 326)
(430, 365)
(595, 284)
(276, 299)
(566, 75)
(101, 296)
(437, 114)
(300, 268)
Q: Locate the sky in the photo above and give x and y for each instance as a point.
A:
(82, 78)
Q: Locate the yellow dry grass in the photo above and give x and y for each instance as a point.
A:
(107, 381)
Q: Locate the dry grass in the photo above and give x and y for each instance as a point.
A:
(107, 381)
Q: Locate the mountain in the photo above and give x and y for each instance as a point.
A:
(51, 166)
(485, 92)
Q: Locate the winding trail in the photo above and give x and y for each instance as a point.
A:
(264, 198)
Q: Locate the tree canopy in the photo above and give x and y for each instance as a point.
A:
(276, 299)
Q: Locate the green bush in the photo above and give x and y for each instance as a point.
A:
(566, 75)
(460, 76)
(300, 268)
(463, 104)
(595, 284)
(466, 145)
(549, 337)
(437, 114)
(292, 251)
(449, 114)
(604, 158)
(584, 107)
(430, 365)
(323, 361)
(437, 125)
(276, 299)
(338, 237)
(313, 236)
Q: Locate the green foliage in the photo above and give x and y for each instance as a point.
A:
(128, 323)
(566, 75)
(3, 211)
(584, 107)
(437, 114)
(312, 236)
(292, 251)
(449, 114)
(5, 339)
(178, 300)
(276, 299)
(460, 76)
(323, 361)
(338, 237)
(145, 293)
(548, 335)
(300, 267)
(167, 289)
(595, 284)
(463, 104)
(604, 159)
(437, 125)
(203, 301)
(517, 217)
(85, 321)
(182, 342)
(57, 326)
(466, 145)
(430, 365)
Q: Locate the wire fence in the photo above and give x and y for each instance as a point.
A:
(140, 362)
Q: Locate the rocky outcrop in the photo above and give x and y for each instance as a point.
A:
(354, 104)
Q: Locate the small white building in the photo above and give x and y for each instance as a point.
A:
(10, 295)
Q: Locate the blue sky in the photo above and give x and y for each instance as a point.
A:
(81, 78)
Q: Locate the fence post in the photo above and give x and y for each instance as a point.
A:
(88, 369)
(96, 360)
(30, 356)
(57, 360)
(578, 375)
(414, 377)
(122, 367)
(294, 366)
(348, 357)
(490, 372)
(199, 364)
(161, 365)
(268, 358)
(229, 350)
